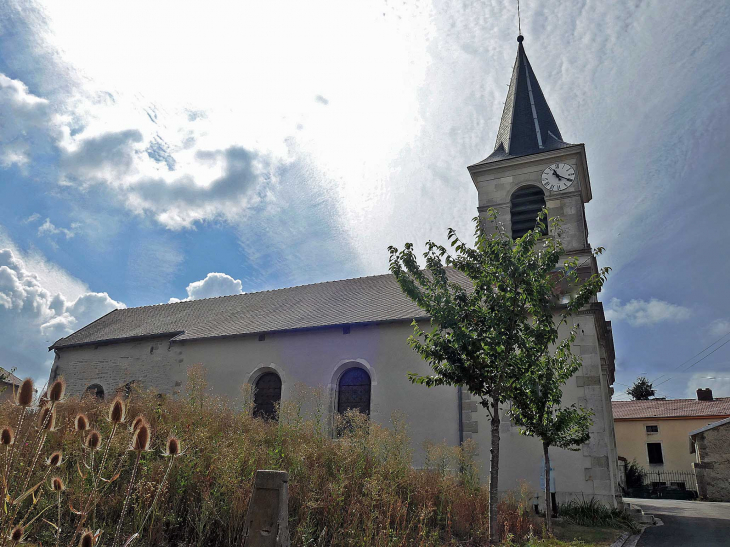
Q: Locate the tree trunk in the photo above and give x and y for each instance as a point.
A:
(548, 497)
(494, 475)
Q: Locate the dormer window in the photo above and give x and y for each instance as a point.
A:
(525, 206)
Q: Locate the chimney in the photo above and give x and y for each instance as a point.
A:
(704, 394)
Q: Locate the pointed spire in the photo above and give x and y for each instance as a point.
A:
(527, 125)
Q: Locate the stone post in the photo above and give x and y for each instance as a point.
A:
(267, 520)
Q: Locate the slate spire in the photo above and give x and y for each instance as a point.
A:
(527, 126)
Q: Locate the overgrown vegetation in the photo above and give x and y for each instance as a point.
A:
(357, 490)
(593, 513)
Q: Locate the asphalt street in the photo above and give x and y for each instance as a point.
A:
(704, 524)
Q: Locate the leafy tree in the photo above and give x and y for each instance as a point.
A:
(536, 408)
(642, 390)
(491, 309)
(635, 475)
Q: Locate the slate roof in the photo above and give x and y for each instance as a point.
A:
(527, 126)
(713, 425)
(670, 408)
(346, 302)
(9, 377)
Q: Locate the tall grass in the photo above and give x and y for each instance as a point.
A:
(594, 513)
(356, 489)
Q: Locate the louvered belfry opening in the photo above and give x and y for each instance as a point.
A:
(354, 391)
(267, 396)
(525, 206)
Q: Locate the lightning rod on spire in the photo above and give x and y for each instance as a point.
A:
(519, 25)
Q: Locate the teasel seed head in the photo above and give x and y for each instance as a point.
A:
(172, 447)
(25, 393)
(17, 534)
(57, 484)
(93, 440)
(87, 539)
(138, 421)
(7, 435)
(141, 438)
(81, 422)
(117, 410)
(57, 391)
(55, 459)
(47, 418)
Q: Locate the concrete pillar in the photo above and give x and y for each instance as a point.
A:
(267, 520)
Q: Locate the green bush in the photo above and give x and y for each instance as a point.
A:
(594, 513)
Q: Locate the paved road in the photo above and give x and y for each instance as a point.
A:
(695, 523)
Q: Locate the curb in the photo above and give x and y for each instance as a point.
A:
(621, 540)
(628, 540)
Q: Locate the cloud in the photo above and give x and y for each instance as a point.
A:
(640, 313)
(215, 284)
(718, 381)
(32, 317)
(719, 327)
(322, 100)
(185, 200)
(24, 116)
(49, 229)
(102, 158)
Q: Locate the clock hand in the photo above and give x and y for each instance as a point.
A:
(556, 174)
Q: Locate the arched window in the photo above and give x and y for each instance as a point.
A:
(267, 395)
(353, 391)
(525, 206)
(95, 390)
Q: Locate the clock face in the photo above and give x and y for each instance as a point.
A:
(558, 176)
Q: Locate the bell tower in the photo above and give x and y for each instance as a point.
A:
(532, 166)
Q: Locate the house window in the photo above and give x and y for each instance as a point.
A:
(267, 396)
(652, 429)
(525, 205)
(353, 391)
(655, 453)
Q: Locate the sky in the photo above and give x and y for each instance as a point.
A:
(160, 151)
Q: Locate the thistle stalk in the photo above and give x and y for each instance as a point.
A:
(58, 520)
(126, 499)
(12, 448)
(106, 450)
(45, 425)
(157, 494)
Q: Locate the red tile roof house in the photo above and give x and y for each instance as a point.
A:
(654, 433)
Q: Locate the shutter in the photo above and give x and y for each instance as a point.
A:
(525, 206)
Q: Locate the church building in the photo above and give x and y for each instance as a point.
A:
(350, 336)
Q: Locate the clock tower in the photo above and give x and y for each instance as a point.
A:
(530, 168)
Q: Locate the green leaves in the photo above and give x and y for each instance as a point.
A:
(495, 312)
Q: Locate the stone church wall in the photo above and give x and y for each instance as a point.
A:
(589, 472)
(317, 358)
